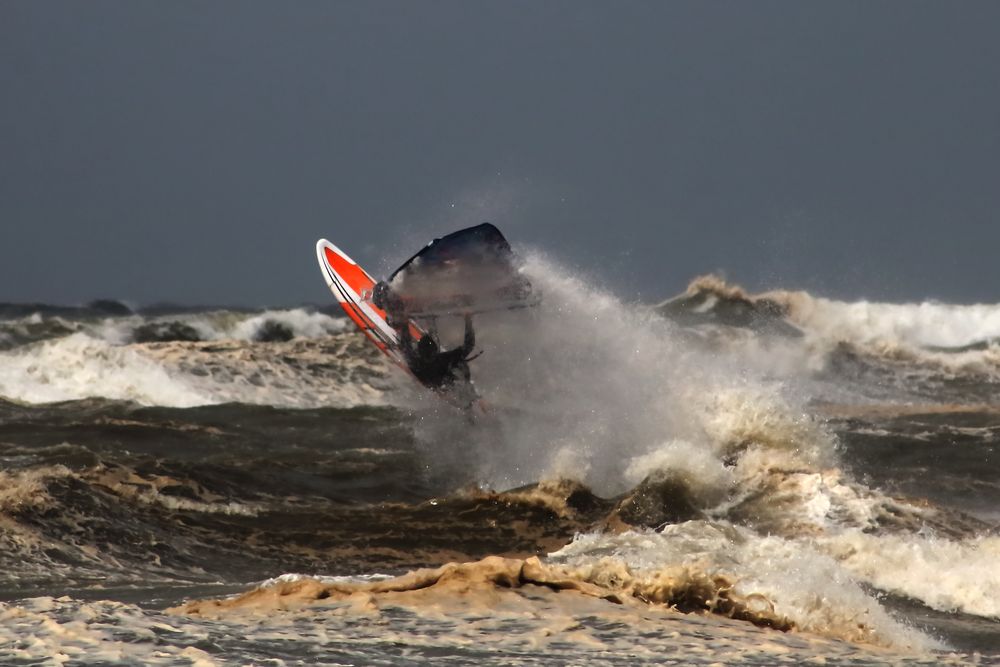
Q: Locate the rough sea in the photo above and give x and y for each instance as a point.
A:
(722, 478)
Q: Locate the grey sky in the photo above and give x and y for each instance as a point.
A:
(194, 152)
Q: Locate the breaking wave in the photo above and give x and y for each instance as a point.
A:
(947, 338)
(222, 324)
(662, 456)
(338, 370)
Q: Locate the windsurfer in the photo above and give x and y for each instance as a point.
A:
(437, 369)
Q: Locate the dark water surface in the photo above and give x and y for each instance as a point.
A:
(751, 464)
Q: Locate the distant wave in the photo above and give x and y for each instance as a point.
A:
(30, 323)
(338, 370)
(925, 325)
(920, 351)
(881, 344)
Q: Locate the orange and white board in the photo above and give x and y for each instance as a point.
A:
(352, 286)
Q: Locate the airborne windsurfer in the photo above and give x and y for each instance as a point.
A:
(435, 368)
(439, 370)
(472, 270)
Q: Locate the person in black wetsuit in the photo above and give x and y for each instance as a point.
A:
(438, 369)
(442, 371)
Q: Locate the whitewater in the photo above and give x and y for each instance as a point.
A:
(721, 477)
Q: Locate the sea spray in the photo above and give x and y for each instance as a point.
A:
(589, 387)
(585, 383)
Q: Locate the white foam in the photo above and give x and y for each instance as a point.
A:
(699, 467)
(79, 366)
(919, 339)
(927, 324)
(225, 324)
(57, 631)
(293, 577)
(510, 628)
(300, 322)
(758, 414)
(947, 575)
(804, 585)
(908, 333)
(341, 372)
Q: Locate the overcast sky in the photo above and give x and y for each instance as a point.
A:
(195, 151)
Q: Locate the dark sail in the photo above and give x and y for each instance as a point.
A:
(471, 270)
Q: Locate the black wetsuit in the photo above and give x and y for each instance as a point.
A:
(440, 369)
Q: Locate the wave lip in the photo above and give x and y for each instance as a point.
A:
(710, 300)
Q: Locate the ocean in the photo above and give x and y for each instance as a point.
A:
(720, 478)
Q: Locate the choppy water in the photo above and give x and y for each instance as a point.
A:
(723, 478)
